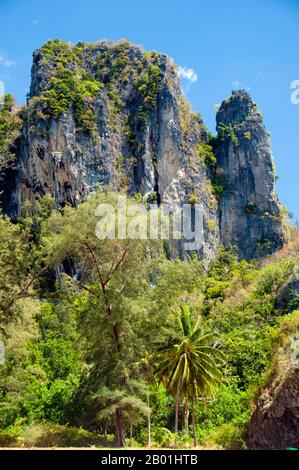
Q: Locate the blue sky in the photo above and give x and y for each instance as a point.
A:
(229, 44)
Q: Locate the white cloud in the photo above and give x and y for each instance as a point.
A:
(187, 73)
(6, 62)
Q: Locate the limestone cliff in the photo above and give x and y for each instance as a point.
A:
(113, 114)
(249, 211)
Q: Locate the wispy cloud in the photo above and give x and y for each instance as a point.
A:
(187, 73)
(259, 76)
(6, 62)
(236, 84)
(36, 21)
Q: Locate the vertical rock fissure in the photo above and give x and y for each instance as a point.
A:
(155, 167)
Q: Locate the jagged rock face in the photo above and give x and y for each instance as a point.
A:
(249, 211)
(275, 421)
(139, 136)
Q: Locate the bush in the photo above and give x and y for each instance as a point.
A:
(249, 352)
(160, 437)
(272, 277)
(49, 435)
(218, 186)
(9, 437)
(227, 436)
(67, 87)
(192, 199)
(228, 132)
(206, 154)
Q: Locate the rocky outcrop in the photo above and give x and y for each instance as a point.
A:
(249, 211)
(275, 421)
(141, 135)
(112, 114)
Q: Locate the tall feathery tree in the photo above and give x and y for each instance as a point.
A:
(189, 363)
(129, 399)
(110, 293)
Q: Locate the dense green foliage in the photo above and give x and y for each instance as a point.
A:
(99, 333)
(10, 127)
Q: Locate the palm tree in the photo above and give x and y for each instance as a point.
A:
(189, 363)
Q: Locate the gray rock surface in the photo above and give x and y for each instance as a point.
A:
(249, 211)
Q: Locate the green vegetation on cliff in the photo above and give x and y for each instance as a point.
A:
(10, 127)
(78, 73)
